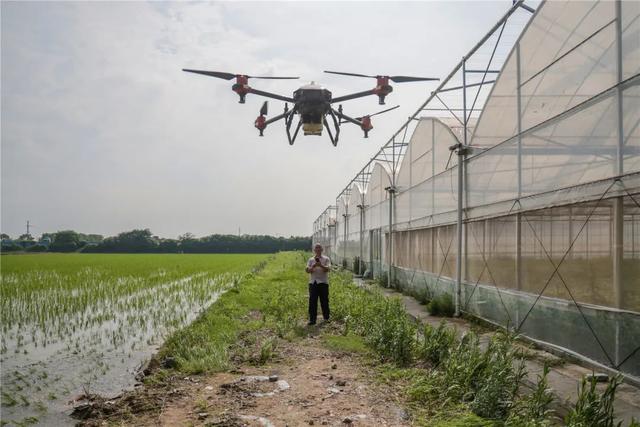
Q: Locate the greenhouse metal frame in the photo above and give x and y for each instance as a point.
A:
(515, 187)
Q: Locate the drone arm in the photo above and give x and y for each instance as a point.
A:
(344, 117)
(278, 117)
(354, 96)
(270, 95)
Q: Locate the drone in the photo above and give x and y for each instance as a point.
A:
(313, 103)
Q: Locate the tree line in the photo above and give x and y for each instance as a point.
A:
(143, 241)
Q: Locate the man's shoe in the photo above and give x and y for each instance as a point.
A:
(327, 320)
(311, 323)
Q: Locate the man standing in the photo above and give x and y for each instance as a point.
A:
(318, 268)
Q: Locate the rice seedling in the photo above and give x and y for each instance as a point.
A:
(79, 315)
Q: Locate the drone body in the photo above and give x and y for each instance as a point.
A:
(313, 103)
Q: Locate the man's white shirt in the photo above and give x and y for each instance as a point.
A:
(318, 275)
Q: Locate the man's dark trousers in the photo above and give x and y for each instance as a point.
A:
(318, 290)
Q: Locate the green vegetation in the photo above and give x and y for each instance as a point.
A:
(533, 410)
(593, 408)
(54, 295)
(81, 315)
(143, 241)
(274, 300)
(435, 344)
(350, 343)
(441, 305)
(447, 379)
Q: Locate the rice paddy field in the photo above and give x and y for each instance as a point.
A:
(78, 323)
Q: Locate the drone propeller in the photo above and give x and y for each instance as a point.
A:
(379, 112)
(264, 109)
(230, 76)
(396, 79)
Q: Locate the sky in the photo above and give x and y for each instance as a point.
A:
(101, 131)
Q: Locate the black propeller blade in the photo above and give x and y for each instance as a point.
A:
(379, 112)
(218, 74)
(264, 109)
(230, 76)
(273, 78)
(396, 79)
(404, 79)
(349, 74)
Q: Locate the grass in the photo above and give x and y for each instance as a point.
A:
(277, 293)
(441, 305)
(350, 343)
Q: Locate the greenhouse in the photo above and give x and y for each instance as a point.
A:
(515, 187)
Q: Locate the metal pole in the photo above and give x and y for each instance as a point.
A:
(618, 232)
(461, 150)
(618, 204)
(391, 190)
(344, 239)
(361, 237)
(619, 162)
(519, 172)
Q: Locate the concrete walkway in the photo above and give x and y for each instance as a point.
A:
(564, 376)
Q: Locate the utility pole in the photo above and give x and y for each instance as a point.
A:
(28, 227)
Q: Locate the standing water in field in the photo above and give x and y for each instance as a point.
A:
(85, 323)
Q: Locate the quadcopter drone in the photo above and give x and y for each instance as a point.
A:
(313, 103)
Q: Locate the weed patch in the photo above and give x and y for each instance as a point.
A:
(594, 408)
(350, 343)
(441, 305)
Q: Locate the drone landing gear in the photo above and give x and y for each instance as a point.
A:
(289, 121)
(334, 141)
(336, 125)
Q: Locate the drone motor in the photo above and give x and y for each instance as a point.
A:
(382, 89)
(241, 87)
(261, 121)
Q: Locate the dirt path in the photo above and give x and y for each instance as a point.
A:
(309, 385)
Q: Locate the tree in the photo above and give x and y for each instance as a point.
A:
(4, 236)
(12, 248)
(65, 241)
(134, 241)
(26, 236)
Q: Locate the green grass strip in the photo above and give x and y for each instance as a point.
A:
(274, 298)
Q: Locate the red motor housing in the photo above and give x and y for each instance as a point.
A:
(382, 88)
(366, 125)
(241, 87)
(260, 124)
